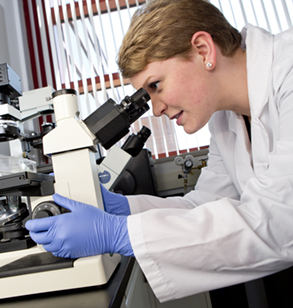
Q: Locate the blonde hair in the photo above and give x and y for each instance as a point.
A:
(162, 29)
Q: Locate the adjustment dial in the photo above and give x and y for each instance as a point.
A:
(46, 209)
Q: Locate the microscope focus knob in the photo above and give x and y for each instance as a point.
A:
(46, 209)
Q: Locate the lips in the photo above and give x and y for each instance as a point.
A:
(178, 116)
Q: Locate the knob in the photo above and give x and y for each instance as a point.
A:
(46, 209)
(179, 160)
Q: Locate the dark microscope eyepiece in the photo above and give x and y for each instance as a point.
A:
(111, 122)
(139, 98)
(134, 143)
(136, 105)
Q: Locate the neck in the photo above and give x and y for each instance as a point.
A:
(234, 83)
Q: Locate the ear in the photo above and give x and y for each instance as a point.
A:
(204, 46)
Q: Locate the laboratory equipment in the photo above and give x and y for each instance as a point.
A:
(71, 147)
(187, 166)
(111, 168)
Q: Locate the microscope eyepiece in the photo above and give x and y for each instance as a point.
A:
(144, 133)
(140, 97)
(136, 105)
(110, 122)
(134, 143)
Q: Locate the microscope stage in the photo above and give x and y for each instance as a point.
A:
(26, 184)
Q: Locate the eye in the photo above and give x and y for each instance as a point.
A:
(154, 85)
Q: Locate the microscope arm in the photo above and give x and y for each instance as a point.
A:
(71, 145)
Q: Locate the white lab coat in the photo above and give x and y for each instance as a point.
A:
(237, 225)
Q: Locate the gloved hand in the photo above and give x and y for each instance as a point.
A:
(115, 203)
(86, 231)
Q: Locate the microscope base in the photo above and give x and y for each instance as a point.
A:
(64, 275)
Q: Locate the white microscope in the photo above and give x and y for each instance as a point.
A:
(71, 146)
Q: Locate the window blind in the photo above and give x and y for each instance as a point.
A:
(77, 41)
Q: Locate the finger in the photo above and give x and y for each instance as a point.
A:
(41, 238)
(65, 202)
(62, 254)
(52, 247)
(40, 225)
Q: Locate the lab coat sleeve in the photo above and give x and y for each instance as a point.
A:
(225, 241)
(213, 184)
(143, 203)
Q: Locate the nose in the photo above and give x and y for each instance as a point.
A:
(159, 108)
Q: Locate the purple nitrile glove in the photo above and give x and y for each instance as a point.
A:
(115, 203)
(85, 231)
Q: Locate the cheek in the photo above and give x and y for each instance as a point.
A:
(172, 97)
(193, 93)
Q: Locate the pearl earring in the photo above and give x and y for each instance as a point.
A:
(209, 65)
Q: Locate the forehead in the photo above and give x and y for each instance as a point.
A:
(155, 71)
(142, 78)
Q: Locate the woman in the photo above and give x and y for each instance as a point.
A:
(236, 225)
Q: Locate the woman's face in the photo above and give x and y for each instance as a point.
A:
(181, 89)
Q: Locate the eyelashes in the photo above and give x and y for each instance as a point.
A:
(154, 85)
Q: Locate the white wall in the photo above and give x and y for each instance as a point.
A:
(13, 46)
(14, 49)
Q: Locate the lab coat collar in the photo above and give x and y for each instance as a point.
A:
(259, 52)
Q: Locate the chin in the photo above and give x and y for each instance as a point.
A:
(189, 130)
